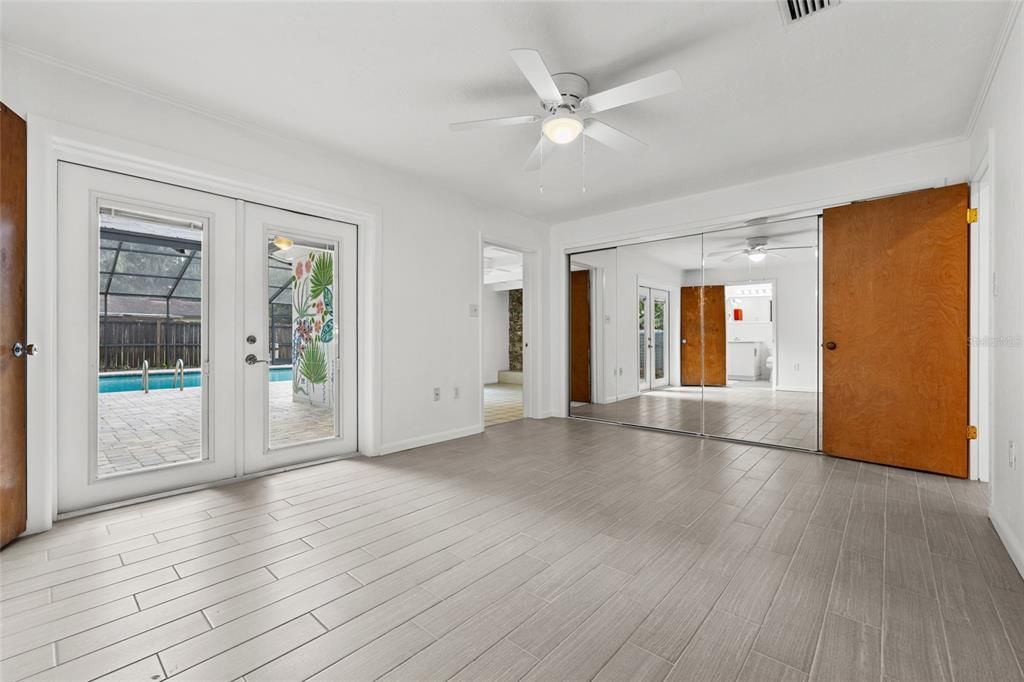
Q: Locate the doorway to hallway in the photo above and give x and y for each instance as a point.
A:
(502, 335)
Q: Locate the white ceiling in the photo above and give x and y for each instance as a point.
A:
(502, 265)
(381, 81)
(687, 253)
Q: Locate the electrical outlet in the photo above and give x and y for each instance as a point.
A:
(455, 392)
(437, 394)
(1012, 455)
(796, 366)
(474, 310)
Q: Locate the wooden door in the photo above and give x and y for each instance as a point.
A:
(714, 335)
(691, 346)
(702, 353)
(579, 336)
(13, 221)
(896, 325)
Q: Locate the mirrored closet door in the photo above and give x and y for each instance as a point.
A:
(715, 333)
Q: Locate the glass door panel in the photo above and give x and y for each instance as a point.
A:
(300, 343)
(658, 345)
(644, 338)
(149, 365)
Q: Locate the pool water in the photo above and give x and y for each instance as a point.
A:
(132, 381)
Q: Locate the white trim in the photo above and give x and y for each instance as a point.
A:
(795, 389)
(1005, 533)
(51, 141)
(981, 307)
(430, 439)
(993, 66)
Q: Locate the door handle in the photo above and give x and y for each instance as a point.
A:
(682, 342)
(18, 349)
(831, 345)
(251, 359)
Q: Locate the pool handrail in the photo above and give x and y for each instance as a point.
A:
(179, 370)
(145, 376)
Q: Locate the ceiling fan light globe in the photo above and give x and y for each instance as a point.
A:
(757, 256)
(562, 128)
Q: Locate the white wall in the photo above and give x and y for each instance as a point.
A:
(1001, 119)
(431, 236)
(933, 165)
(494, 314)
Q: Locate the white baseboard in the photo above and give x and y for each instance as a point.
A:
(430, 439)
(1013, 545)
(797, 389)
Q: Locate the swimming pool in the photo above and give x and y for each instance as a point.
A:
(117, 382)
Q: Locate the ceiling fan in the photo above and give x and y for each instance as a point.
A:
(757, 250)
(566, 99)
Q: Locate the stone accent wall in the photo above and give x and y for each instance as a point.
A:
(515, 330)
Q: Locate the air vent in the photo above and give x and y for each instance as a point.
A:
(795, 10)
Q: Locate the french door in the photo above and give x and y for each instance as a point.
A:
(300, 338)
(652, 342)
(163, 293)
(146, 296)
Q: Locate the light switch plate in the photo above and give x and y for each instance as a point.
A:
(474, 310)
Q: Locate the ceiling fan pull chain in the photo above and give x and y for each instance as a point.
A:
(540, 171)
(583, 166)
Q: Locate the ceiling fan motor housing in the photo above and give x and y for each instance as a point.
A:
(573, 87)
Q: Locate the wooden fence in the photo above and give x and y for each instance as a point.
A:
(126, 341)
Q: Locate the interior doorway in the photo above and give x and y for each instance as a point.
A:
(502, 334)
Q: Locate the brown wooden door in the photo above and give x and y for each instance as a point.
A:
(579, 336)
(714, 335)
(691, 346)
(13, 221)
(702, 349)
(895, 303)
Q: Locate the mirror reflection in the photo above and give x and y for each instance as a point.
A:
(761, 333)
(714, 334)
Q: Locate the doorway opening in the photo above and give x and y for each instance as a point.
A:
(502, 335)
(750, 335)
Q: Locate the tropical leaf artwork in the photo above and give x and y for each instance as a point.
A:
(313, 326)
(301, 299)
(327, 331)
(329, 302)
(314, 365)
(322, 275)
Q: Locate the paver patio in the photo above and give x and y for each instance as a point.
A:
(139, 430)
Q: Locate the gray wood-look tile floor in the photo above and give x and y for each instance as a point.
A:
(540, 550)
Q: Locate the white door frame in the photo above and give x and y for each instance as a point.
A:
(51, 141)
(531, 323)
(981, 305)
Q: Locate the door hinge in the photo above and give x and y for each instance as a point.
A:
(972, 433)
(972, 215)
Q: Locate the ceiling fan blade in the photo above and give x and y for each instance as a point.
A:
(735, 256)
(492, 123)
(786, 248)
(544, 148)
(532, 65)
(612, 137)
(645, 88)
(715, 254)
